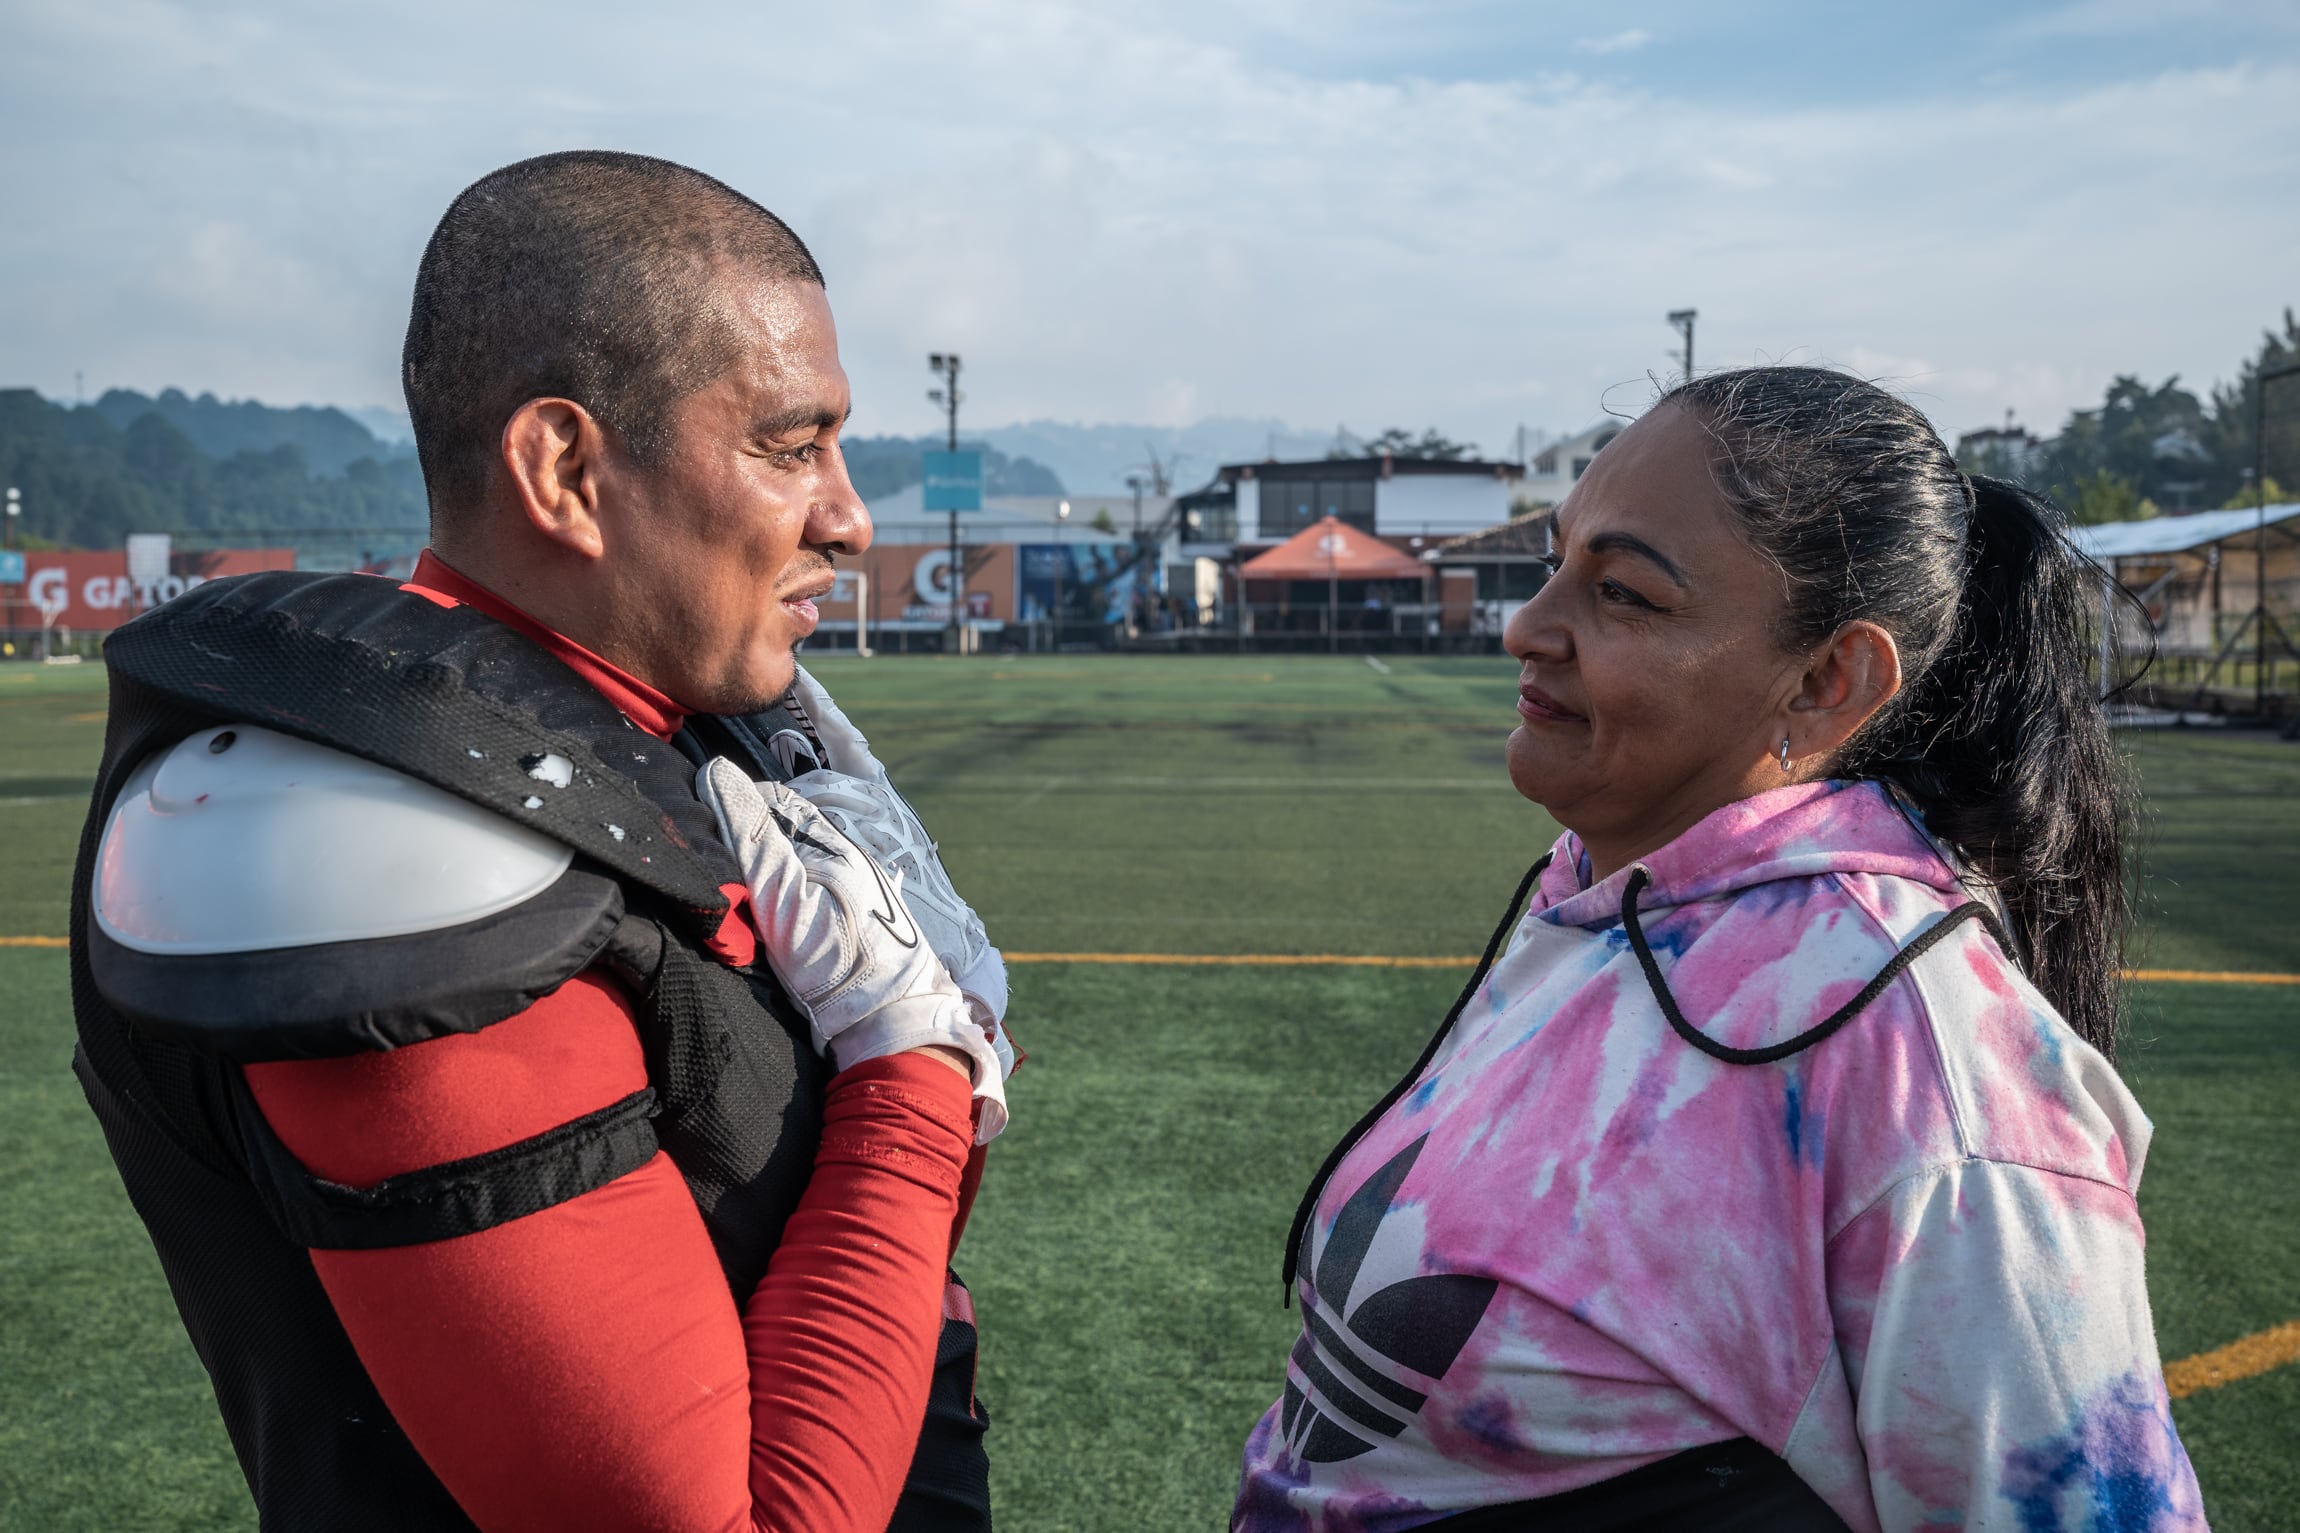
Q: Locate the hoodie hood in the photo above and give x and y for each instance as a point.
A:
(1802, 831)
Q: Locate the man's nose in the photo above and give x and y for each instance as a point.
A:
(838, 522)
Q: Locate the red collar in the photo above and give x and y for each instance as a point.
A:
(435, 580)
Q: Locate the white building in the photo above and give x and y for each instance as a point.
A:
(1555, 468)
(1250, 506)
(2007, 451)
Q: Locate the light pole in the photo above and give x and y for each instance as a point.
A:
(1683, 320)
(1141, 603)
(2260, 532)
(15, 510)
(945, 366)
(1061, 558)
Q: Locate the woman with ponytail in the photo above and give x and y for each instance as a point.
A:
(1772, 1172)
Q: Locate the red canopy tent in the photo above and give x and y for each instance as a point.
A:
(1336, 551)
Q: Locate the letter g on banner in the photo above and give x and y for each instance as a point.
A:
(931, 578)
(50, 590)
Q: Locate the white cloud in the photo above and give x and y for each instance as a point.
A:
(1617, 42)
(1119, 219)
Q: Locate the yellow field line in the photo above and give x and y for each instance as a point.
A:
(1373, 961)
(2211, 977)
(1409, 961)
(2240, 1359)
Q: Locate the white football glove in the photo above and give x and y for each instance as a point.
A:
(837, 932)
(855, 792)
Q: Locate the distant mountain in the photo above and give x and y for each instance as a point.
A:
(1095, 460)
(179, 462)
(330, 440)
(881, 465)
(387, 422)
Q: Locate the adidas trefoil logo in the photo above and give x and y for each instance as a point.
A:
(1417, 1327)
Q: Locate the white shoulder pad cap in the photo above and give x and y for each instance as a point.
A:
(239, 839)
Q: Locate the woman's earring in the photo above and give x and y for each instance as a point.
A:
(1784, 753)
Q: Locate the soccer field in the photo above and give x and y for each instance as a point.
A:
(1125, 1251)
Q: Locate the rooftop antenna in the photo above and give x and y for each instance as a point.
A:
(1683, 320)
(1160, 469)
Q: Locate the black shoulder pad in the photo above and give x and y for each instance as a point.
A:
(336, 998)
(448, 696)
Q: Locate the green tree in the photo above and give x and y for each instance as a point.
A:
(2152, 439)
(2102, 496)
(88, 482)
(1400, 443)
(2234, 418)
(2244, 500)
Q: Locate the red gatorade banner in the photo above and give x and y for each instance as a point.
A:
(93, 592)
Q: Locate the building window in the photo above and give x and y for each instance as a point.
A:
(1216, 523)
(1286, 506)
(1289, 505)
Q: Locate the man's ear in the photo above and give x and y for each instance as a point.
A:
(1853, 675)
(554, 451)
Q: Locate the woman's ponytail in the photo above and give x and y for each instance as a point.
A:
(2004, 747)
(1997, 735)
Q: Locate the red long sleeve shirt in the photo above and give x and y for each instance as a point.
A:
(585, 1366)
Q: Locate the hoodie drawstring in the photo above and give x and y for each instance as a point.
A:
(1640, 877)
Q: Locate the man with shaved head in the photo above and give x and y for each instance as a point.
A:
(546, 1051)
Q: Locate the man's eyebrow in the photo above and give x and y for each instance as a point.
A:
(814, 417)
(1622, 542)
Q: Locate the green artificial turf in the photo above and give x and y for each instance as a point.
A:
(1124, 1253)
(2220, 849)
(1125, 1262)
(2218, 1070)
(1212, 804)
(106, 1421)
(51, 734)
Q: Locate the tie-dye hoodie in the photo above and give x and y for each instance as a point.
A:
(1907, 1260)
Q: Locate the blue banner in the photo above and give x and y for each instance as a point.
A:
(11, 567)
(953, 481)
(1092, 582)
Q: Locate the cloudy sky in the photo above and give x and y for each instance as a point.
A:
(1364, 211)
